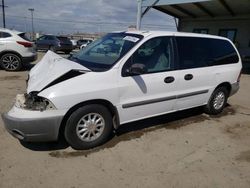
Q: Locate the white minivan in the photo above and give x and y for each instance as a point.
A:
(120, 78)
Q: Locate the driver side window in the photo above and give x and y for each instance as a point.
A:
(154, 54)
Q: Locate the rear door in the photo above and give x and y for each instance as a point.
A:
(196, 74)
(152, 93)
(65, 42)
(41, 42)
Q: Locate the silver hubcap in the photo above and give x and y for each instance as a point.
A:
(219, 100)
(10, 62)
(90, 127)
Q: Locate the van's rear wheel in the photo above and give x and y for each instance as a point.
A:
(88, 127)
(217, 101)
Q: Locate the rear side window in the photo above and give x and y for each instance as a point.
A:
(4, 35)
(223, 52)
(24, 36)
(195, 52)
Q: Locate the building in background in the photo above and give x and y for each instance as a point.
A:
(228, 18)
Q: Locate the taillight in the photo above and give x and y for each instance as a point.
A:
(25, 44)
(238, 79)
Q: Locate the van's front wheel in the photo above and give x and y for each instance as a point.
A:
(88, 127)
(217, 101)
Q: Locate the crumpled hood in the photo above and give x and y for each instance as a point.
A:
(51, 67)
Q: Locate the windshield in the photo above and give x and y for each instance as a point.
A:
(102, 54)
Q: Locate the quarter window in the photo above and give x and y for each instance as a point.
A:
(223, 52)
(24, 36)
(155, 54)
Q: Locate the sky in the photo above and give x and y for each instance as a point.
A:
(72, 16)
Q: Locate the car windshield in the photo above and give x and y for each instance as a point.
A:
(103, 53)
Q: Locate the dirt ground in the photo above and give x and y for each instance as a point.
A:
(184, 149)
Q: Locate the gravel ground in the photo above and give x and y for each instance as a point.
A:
(184, 149)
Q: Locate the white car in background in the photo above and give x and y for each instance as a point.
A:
(15, 50)
(74, 42)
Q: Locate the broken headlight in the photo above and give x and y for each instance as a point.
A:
(32, 101)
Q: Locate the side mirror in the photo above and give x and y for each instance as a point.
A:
(137, 69)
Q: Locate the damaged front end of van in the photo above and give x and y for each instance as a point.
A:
(34, 117)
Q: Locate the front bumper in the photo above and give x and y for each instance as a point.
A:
(33, 125)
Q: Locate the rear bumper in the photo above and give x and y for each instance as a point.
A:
(29, 59)
(234, 88)
(34, 129)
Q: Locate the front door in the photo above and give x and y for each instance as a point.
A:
(153, 92)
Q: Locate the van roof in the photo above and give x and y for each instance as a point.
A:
(172, 33)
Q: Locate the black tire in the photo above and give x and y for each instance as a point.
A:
(211, 107)
(11, 62)
(72, 130)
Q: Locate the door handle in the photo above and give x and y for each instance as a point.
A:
(188, 77)
(169, 79)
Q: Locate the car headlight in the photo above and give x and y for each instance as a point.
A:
(34, 102)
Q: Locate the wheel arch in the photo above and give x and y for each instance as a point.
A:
(227, 85)
(10, 52)
(208, 108)
(112, 109)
